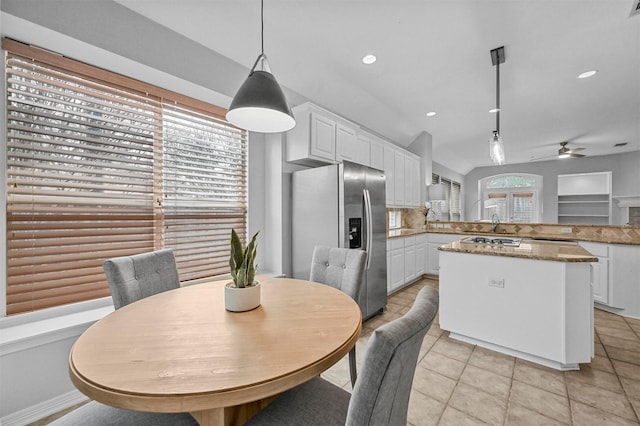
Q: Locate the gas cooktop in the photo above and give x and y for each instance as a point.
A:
(493, 241)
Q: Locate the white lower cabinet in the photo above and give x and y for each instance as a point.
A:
(421, 254)
(599, 271)
(624, 279)
(395, 264)
(406, 260)
(409, 259)
(433, 255)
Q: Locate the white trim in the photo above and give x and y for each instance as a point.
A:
(43, 409)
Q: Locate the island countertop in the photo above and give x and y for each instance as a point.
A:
(528, 249)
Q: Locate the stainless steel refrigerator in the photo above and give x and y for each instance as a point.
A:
(342, 205)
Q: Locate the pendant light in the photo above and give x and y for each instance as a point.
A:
(260, 104)
(496, 147)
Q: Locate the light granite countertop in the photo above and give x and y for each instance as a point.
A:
(528, 249)
(591, 233)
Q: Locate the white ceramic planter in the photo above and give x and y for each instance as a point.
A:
(241, 299)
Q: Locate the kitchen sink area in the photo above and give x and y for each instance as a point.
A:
(494, 241)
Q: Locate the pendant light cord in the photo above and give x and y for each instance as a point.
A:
(261, 56)
(498, 96)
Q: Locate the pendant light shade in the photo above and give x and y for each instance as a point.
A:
(496, 147)
(260, 104)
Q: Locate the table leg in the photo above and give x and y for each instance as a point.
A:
(237, 415)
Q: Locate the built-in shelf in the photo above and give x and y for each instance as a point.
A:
(584, 198)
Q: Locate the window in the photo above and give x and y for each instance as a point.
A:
(98, 166)
(450, 208)
(513, 198)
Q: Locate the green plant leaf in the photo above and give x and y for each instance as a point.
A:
(237, 256)
(241, 262)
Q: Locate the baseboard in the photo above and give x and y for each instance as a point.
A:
(43, 409)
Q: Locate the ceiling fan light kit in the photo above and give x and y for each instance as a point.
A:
(565, 152)
(496, 146)
(260, 104)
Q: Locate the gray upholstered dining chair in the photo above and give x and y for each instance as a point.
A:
(135, 277)
(343, 269)
(381, 394)
(97, 414)
(132, 278)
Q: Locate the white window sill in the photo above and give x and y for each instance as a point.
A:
(33, 329)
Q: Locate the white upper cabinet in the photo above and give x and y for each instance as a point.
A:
(412, 181)
(363, 148)
(389, 167)
(321, 137)
(347, 143)
(399, 178)
(376, 153)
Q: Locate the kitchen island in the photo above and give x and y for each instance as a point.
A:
(533, 301)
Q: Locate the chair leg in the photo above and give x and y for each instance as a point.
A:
(352, 366)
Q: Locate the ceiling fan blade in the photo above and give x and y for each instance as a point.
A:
(574, 155)
(577, 149)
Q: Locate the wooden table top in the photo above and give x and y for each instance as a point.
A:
(182, 351)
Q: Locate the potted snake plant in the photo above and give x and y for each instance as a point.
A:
(243, 294)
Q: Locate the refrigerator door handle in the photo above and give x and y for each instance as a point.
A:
(368, 215)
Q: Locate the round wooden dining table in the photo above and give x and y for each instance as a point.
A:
(181, 351)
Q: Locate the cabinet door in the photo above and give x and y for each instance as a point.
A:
(397, 268)
(434, 265)
(376, 154)
(421, 250)
(409, 264)
(323, 137)
(363, 145)
(398, 176)
(389, 166)
(347, 143)
(412, 182)
(600, 280)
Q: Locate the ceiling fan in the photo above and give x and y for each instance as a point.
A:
(565, 152)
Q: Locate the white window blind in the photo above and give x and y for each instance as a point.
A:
(450, 208)
(523, 207)
(455, 202)
(98, 166)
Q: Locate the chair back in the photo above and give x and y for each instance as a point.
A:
(135, 277)
(340, 268)
(381, 394)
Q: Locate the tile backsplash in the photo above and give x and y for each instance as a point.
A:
(414, 219)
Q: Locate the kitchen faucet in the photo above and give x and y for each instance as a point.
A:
(495, 221)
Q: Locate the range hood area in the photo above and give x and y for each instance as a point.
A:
(630, 206)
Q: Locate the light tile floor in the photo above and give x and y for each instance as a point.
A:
(461, 384)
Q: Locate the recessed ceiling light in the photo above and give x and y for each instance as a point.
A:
(369, 59)
(492, 110)
(588, 74)
(431, 113)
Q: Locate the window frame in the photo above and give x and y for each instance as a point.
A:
(509, 194)
(195, 104)
(453, 212)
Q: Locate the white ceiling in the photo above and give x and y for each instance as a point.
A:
(433, 55)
